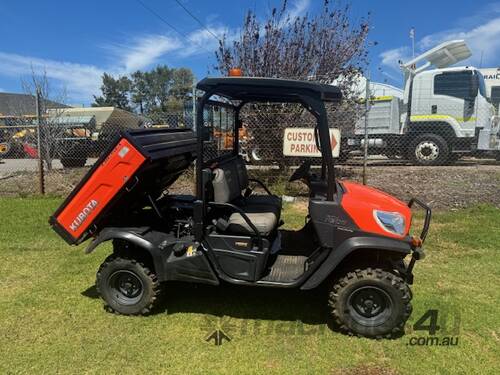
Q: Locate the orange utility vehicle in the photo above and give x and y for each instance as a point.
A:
(356, 239)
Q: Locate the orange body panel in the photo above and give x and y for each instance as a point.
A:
(104, 183)
(359, 201)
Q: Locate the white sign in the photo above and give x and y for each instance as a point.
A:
(301, 142)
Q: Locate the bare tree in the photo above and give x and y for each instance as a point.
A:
(325, 47)
(38, 85)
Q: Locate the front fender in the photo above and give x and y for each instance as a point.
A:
(347, 247)
(135, 237)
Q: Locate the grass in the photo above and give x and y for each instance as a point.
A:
(51, 321)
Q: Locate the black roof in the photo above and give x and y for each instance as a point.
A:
(268, 89)
(12, 104)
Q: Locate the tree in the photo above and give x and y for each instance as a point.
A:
(38, 85)
(325, 47)
(322, 47)
(162, 89)
(115, 92)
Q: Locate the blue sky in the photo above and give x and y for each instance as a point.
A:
(75, 42)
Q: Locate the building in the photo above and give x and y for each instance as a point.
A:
(12, 104)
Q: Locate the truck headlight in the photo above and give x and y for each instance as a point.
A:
(392, 222)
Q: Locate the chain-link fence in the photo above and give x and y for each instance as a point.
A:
(442, 136)
(49, 154)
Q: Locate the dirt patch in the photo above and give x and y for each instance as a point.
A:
(449, 187)
(366, 370)
(441, 187)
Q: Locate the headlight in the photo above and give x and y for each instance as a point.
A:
(392, 222)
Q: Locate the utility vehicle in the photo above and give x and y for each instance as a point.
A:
(355, 238)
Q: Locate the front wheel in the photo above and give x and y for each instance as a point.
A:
(429, 149)
(127, 286)
(370, 302)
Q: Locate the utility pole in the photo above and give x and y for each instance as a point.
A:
(194, 107)
(367, 108)
(39, 116)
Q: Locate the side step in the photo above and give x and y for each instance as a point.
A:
(286, 268)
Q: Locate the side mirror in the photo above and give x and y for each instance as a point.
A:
(474, 86)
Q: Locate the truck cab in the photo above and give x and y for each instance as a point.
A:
(453, 96)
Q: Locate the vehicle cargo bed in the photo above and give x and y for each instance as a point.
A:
(138, 163)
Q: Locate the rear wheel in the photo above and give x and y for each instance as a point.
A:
(127, 286)
(429, 149)
(370, 302)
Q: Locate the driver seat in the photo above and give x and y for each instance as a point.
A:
(263, 211)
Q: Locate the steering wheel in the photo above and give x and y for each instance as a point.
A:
(301, 172)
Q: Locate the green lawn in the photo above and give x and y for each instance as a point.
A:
(52, 322)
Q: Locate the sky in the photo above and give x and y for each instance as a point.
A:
(74, 42)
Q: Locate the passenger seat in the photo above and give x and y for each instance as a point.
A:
(255, 199)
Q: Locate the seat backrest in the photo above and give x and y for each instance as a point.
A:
(225, 183)
(230, 179)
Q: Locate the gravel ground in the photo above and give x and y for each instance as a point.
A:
(447, 187)
(441, 187)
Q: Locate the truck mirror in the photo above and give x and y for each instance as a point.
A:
(474, 86)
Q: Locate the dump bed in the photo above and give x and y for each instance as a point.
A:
(138, 162)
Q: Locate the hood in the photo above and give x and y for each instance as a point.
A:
(360, 201)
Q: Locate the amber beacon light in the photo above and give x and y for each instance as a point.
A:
(235, 72)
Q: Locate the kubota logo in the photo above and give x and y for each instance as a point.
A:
(80, 218)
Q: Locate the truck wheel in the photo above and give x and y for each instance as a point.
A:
(429, 149)
(370, 302)
(73, 162)
(127, 286)
(5, 149)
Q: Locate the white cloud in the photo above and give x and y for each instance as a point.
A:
(299, 7)
(482, 39)
(143, 52)
(481, 31)
(391, 58)
(201, 41)
(81, 81)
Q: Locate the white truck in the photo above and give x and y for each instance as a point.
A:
(445, 112)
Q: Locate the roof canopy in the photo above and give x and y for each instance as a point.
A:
(443, 55)
(249, 89)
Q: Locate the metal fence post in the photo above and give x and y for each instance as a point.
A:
(193, 122)
(39, 114)
(367, 108)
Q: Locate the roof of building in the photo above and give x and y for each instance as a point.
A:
(12, 104)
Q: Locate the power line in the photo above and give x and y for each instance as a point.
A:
(161, 18)
(197, 20)
(152, 11)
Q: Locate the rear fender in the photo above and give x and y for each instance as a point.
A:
(129, 235)
(347, 247)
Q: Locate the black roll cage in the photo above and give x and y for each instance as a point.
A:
(260, 90)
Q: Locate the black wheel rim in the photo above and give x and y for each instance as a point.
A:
(126, 287)
(370, 306)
